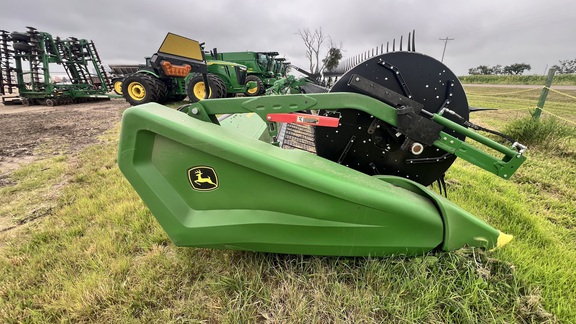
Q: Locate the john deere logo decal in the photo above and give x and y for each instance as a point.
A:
(203, 178)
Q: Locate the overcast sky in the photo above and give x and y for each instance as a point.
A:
(485, 32)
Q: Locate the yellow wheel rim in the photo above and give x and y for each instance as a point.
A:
(118, 87)
(200, 90)
(136, 91)
(252, 90)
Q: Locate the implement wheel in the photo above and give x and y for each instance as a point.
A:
(51, 102)
(141, 88)
(258, 89)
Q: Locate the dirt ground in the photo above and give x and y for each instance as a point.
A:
(29, 133)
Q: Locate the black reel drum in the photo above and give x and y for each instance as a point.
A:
(375, 147)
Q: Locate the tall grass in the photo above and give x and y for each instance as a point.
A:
(548, 133)
(559, 79)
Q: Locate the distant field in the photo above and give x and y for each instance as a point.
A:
(560, 79)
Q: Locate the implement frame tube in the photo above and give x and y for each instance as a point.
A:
(206, 110)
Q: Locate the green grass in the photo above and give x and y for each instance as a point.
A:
(100, 256)
(559, 79)
(512, 104)
(541, 132)
(32, 193)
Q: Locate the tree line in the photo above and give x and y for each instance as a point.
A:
(512, 69)
(565, 67)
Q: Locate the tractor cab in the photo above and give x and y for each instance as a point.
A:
(178, 56)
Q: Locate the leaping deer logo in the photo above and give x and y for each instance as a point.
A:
(203, 178)
(200, 179)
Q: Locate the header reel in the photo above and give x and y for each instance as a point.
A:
(417, 86)
(400, 113)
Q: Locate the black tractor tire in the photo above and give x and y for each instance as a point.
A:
(117, 86)
(163, 92)
(218, 83)
(196, 88)
(141, 88)
(179, 97)
(24, 47)
(18, 36)
(258, 90)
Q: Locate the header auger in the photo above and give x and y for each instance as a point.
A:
(387, 129)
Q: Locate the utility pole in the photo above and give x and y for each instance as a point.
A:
(445, 43)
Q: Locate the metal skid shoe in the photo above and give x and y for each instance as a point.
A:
(210, 185)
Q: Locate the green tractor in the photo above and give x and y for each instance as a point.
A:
(260, 68)
(175, 72)
(226, 79)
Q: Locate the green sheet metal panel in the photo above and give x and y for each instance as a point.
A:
(250, 124)
(254, 196)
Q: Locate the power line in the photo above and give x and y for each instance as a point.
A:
(445, 43)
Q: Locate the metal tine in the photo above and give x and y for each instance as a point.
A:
(411, 47)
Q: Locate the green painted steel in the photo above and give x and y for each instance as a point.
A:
(233, 75)
(246, 124)
(503, 167)
(151, 72)
(544, 94)
(260, 64)
(461, 228)
(209, 187)
(31, 55)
